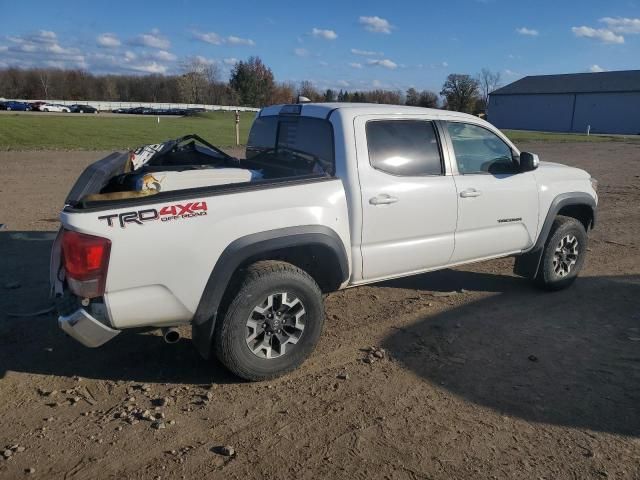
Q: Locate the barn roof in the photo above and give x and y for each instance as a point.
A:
(621, 81)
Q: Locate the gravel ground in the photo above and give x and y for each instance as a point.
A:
(466, 373)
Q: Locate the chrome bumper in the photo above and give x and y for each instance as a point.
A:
(86, 329)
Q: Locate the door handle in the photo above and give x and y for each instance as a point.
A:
(471, 192)
(383, 199)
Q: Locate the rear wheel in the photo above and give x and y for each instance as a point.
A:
(272, 324)
(563, 255)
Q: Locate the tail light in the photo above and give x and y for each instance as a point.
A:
(86, 259)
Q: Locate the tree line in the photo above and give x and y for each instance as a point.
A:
(251, 83)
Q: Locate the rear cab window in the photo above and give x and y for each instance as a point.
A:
(303, 145)
(404, 147)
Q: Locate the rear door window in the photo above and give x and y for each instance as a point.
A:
(404, 147)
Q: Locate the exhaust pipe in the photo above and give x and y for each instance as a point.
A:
(171, 335)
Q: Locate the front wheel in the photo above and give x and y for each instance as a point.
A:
(563, 255)
(272, 324)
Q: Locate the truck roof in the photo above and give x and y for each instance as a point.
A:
(322, 110)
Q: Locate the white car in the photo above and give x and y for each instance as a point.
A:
(329, 196)
(53, 107)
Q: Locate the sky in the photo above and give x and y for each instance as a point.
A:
(349, 45)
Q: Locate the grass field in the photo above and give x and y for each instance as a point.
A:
(530, 136)
(96, 132)
(84, 132)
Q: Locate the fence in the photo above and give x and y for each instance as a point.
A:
(108, 106)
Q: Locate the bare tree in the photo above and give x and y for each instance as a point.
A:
(488, 81)
(308, 89)
(45, 80)
(428, 99)
(196, 80)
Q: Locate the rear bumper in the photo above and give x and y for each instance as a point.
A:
(86, 329)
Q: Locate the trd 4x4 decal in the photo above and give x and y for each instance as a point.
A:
(165, 214)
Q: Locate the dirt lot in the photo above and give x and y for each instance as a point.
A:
(498, 380)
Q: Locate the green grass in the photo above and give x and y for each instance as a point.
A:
(517, 136)
(96, 132)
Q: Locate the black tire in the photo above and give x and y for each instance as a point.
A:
(260, 281)
(552, 274)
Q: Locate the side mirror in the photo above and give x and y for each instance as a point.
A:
(528, 161)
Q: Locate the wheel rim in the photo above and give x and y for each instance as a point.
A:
(565, 255)
(275, 326)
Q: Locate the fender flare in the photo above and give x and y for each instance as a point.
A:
(528, 263)
(243, 249)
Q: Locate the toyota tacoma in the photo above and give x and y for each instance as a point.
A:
(328, 196)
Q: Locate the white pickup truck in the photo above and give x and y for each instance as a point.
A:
(329, 196)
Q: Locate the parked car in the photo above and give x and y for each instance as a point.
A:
(54, 107)
(35, 106)
(16, 106)
(329, 196)
(82, 109)
(121, 110)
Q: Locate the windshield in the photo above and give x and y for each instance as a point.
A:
(300, 143)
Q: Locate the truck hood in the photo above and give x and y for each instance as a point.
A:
(557, 171)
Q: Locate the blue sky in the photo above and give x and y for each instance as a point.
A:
(336, 44)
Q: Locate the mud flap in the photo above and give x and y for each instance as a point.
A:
(527, 264)
(201, 336)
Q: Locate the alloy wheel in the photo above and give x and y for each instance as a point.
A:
(275, 325)
(565, 255)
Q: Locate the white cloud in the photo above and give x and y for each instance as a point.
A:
(164, 56)
(527, 31)
(366, 53)
(622, 25)
(323, 63)
(214, 39)
(375, 24)
(205, 60)
(44, 36)
(355, 65)
(230, 61)
(210, 37)
(384, 62)
(602, 34)
(152, 39)
(38, 49)
(324, 33)
(233, 40)
(596, 69)
(301, 52)
(152, 67)
(511, 73)
(108, 40)
(342, 83)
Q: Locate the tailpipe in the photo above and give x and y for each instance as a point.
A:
(171, 335)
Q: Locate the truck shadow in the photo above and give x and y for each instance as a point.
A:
(568, 358)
